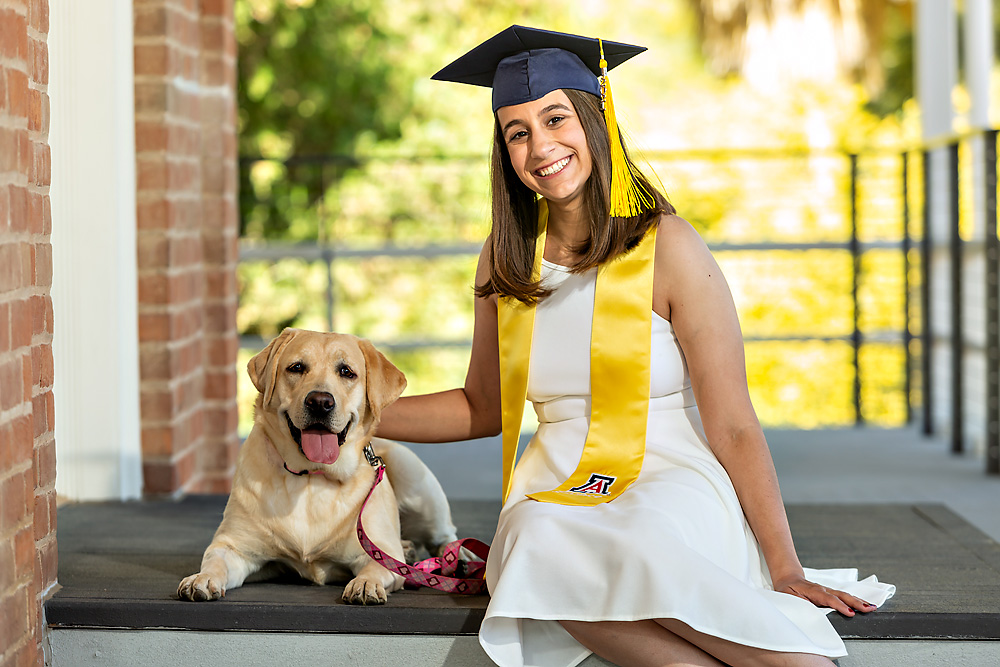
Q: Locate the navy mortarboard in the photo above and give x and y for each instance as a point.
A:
(524, 64)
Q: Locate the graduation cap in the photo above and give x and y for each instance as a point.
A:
(524, 64)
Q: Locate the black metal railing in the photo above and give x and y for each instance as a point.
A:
(871, 202)
(992, 275)
(957, 186)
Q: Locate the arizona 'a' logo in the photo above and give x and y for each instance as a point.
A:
(597, 485)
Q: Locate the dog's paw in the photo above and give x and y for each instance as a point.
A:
(364, 591)
(200, 587)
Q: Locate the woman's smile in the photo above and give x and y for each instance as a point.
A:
(554, 168)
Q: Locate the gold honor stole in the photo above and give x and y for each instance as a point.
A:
(619, 375)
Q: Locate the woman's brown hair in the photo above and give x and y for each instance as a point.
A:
(515, 212)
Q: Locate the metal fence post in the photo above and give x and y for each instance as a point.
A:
(907, 332)
(328, 257)
(324, 238)
(855, 281)
(992, 308)
(926, 330)
(957, 329)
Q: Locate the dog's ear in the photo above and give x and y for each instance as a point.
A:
(263, 368)
(385, 382)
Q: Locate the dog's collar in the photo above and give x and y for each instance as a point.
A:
(302, 472)
(285, 465)
(374, 459)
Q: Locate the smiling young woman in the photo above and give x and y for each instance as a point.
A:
(643, 521)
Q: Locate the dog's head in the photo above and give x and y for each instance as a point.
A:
(324, 391)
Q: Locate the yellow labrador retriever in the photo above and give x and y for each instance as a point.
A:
(302, 475)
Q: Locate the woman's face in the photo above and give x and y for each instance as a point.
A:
(547, 146)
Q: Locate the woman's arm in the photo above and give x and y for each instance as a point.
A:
(690, 290)
(472, 411)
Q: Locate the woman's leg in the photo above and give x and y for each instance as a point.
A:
(638, 644)
(738, 654)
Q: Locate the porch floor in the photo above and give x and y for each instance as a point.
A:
(120, 564)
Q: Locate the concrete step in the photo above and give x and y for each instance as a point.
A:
(164, 648)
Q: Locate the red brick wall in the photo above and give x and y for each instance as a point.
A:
(185, 67)
(27, 445)
(220, 240)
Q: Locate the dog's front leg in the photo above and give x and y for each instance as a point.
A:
(371, 584)
(222, 569)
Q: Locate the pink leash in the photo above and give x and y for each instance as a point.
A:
(436, 572)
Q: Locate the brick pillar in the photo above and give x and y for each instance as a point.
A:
(220, 240)
(27, 444)
(185, 151)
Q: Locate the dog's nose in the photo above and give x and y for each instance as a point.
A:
(320, 402)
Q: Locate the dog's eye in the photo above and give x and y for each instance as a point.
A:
(346, 372)
(297, 367)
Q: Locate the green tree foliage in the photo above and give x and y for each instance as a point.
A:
(332, 77)
(315, 76)
(896, 57)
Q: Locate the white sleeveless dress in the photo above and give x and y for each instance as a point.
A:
(675, 545)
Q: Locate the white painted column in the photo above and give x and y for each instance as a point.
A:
(937, 64)
(978, 60)
(95, 346)
(978, 25)
(978, 29)
(936, 42)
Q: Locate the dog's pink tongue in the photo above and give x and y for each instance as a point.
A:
(320, 446)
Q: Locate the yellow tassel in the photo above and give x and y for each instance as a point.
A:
(627, 195)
